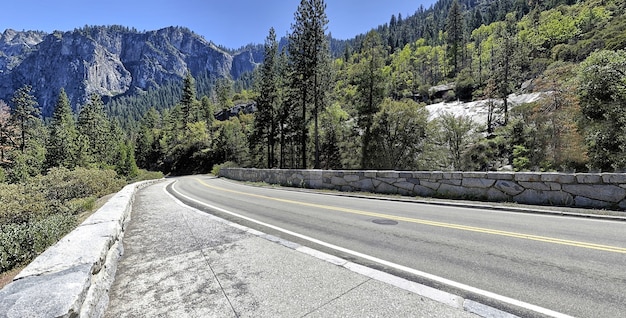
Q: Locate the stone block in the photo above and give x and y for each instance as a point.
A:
(456, 182)
(509, 187)
(562, 178)
(553, 186)
(614, 178)
(430, 185)
(388, 175)
(583, 202)
(535, 186)
(435, 176)
(389, 180)
(386, 188)
(423, 191)
(496, 195)
(87, 244)
(451, 191)
(376, 183)
(475, 175)
(539, 197)
(478, 183)
(338, 181)
(315, 174)
(369, 174)
(57, 294)
(363, 185)
(500, 175)
(315, 184)
(351, 178)
(422, 175)
(413, 180)
(609, 193)
(405, 185)
(405, 175)
(527, 177)
(346, 188)
(452, 176)
(589, 178)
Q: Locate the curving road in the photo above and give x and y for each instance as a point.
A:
(527, 264)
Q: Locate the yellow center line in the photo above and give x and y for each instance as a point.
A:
(545, 239)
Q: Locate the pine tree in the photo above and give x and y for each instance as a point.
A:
(265, 121)
(370, 87)
(25, 114)
(455, 35)
(8, 132)
(309, 53)
(188, 99)
(147, 146)
(94, 126)
(62, 143)
(507, 69)
(224, 93)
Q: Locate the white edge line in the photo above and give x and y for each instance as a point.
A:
(484, 293)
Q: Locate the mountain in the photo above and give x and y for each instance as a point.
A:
(110, 61)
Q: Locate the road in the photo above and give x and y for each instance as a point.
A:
(568, 265)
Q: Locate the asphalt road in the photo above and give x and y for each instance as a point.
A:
(568, 265)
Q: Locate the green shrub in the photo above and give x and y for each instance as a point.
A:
(228, 164)
(63, 184)
(20, 243)
(38, 212)
(19, 205)
(147, 175)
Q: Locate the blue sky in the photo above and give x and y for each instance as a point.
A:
(231, 23)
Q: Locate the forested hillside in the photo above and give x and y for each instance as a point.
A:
(372, 114)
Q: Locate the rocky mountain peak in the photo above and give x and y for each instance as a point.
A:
(109, 61)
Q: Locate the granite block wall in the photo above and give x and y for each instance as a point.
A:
(589, 190)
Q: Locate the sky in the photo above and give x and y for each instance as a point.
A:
(230, 23)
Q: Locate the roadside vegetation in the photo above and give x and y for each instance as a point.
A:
(52, 172)
(35, 214)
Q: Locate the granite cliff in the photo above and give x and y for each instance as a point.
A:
(110, 61)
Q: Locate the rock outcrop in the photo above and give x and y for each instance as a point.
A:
(110, 61)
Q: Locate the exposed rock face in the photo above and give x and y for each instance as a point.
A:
(109, 61)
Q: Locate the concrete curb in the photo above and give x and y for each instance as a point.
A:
(72, 278)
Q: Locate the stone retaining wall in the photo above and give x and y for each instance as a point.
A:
(72, 278)
(592, 190)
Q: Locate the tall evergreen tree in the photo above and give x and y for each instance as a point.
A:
(507, 67)
(188, 98)
(62, 143)
(26, 115)
(147, 147)
(224, 93)
(94, 126)
(370, 87)
(265, 121)
(8, 132)
(455, 35)
(309, 53)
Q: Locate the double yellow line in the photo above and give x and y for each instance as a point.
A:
(600, 247)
